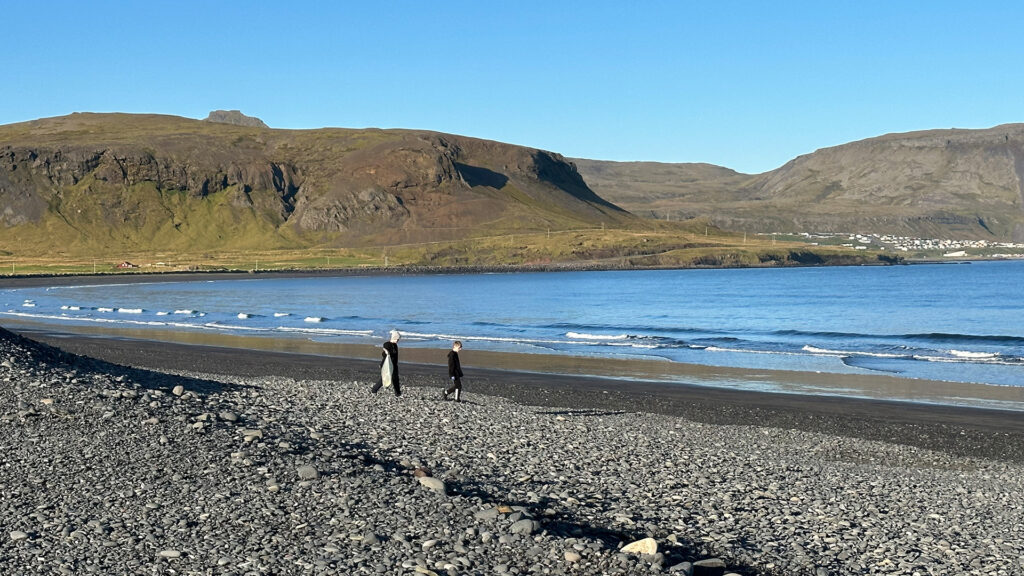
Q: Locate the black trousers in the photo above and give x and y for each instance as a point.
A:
(455, 387)
(395, 385)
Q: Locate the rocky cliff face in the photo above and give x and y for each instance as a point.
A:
(101, 180)
(941, 183)
(234, 117)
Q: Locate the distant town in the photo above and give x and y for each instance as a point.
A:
(924, 247)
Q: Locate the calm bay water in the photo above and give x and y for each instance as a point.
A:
(961, 323)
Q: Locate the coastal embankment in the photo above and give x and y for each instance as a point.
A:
(166, 458)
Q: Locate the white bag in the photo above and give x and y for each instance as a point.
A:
(386, 369)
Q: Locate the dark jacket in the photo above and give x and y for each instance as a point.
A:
(454, 366)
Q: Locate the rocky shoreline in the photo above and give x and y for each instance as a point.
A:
(109, 469)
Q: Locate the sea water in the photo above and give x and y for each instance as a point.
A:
(954, 322)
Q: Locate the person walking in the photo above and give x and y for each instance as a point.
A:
(454, 373)
(389, 365)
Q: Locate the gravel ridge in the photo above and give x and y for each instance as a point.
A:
(114, 470)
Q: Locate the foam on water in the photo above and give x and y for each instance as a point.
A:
(827, 352)
(967, 354)
(584, 336)
(325, 331)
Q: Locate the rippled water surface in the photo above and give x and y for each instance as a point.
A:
(957, 322)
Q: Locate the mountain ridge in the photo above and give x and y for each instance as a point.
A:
(92, 181)
(945, 183)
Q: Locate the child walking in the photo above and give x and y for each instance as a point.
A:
(454, 373)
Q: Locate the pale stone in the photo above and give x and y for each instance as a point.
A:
(170, 554)
(433, 483)
(645, 546)
(308, 472)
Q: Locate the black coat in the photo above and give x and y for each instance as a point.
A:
(454, 366)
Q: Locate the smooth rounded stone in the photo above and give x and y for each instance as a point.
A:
(18, 535)
(525, 527)
(228, 416)
(169, 554)
(640, 547)
(428, 544)
(307, 472)
(434, 484)
(709, 567)
(685, 568)
(573, 556)
(488, 514)
(370, 539)
(178, 390)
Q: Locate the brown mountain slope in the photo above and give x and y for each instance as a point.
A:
(107, 182)
(938, 183)
(658, 190)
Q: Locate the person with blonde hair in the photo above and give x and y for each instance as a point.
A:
(454, 373)
(389, 365)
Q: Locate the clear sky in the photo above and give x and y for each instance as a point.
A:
(747, 85)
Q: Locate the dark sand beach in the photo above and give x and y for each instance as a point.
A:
(957, 430)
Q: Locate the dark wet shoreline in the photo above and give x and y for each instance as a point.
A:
(983, 433)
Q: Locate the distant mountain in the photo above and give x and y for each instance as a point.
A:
(108, 182)
(938, 183)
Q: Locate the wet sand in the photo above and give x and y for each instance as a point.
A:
(963, 431)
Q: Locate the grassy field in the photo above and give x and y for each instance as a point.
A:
(658, 247)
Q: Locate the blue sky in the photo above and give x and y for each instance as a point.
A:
(747, 85)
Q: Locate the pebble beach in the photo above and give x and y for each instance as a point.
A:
(114, 469)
